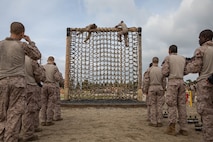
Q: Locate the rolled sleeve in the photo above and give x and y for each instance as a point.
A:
(31, 50)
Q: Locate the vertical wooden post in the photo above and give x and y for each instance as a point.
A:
(139, 65)
(67, 66)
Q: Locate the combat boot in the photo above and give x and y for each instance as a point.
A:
(160, 125)
(171, 129)
(38, 129)
(43, 123)
(49, 123)
(153, 125)
(183, 132)
(59, 119)
(32, 138)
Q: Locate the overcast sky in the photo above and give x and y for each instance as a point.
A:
(163, 22)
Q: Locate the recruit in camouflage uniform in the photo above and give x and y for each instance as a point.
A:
(33, 75)
(148, 104)
(49, 92)
(57, 105)
(12, 80)
(88, 28)
(202, 63)
(154, 86)
(124, 31)
(39, 79)
(173, 68)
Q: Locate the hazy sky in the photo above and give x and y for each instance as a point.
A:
(163, 23)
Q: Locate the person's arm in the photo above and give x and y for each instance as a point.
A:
(210, 79)
(118, 25)
(57, 75)
(164, 83)
(30, 49)
(61, 82)
(195, 65)
(39, 72)
(146, 81)
(165, 67)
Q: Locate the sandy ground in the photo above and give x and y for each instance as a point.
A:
(111, 124)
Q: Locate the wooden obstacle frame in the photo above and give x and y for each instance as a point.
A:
(103, 67)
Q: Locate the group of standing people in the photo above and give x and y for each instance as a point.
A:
(174, 67)
(27, 89)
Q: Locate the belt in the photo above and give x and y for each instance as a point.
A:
(175, 78)
(48, 82)
(8, 77)
(155, 84)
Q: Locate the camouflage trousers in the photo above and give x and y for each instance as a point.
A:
(157, 101)
(205, 108)
(57, 106)
(28, 119)
(13, 104)
(48, 99)
(148, 105)
(176, 102)
(38, 104)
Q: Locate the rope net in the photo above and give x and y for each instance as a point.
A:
(102, 67)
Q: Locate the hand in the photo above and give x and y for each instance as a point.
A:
(27, 38)
(210, 79)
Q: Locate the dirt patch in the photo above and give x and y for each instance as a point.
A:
(111, 124)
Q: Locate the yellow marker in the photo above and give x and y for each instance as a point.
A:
(190, 98)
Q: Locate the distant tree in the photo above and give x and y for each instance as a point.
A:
(188, 81)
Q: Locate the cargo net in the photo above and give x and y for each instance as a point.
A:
(103, 67)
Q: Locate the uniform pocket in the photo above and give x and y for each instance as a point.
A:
(170, 101)
(200, 108)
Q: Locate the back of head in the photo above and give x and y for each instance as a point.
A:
(155, 60)
(207, 34)
(173, 49)
(17, 28)
(93, 26)
(50, 59)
